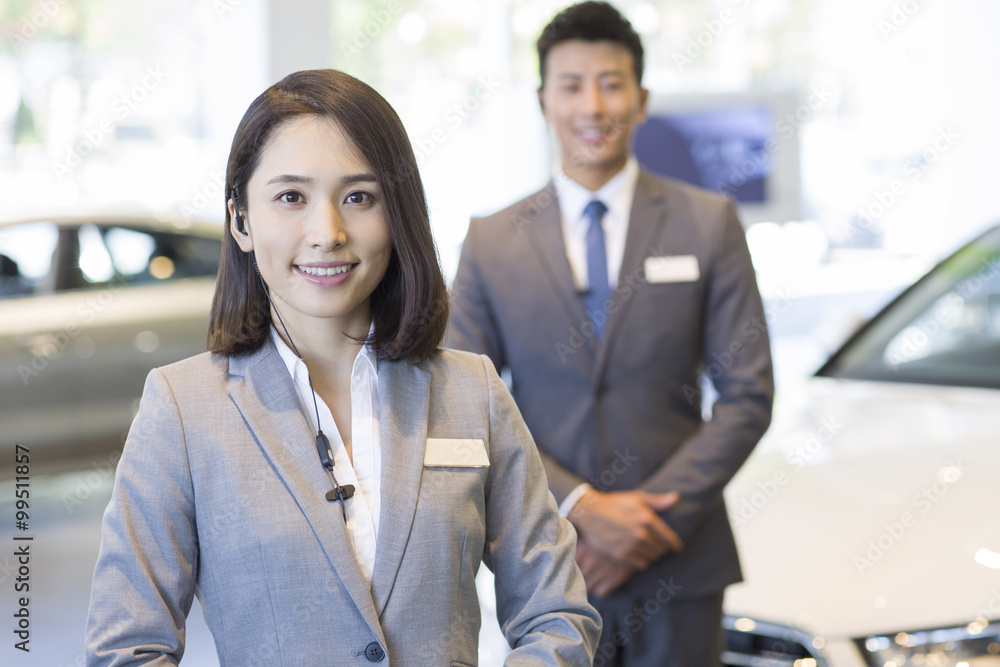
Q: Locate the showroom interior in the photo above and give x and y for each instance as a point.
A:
(858, 138)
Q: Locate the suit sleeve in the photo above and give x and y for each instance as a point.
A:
(541, 596)
(738, 361)
(473, 327)
(145, 577)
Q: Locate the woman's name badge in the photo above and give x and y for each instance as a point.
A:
(455, 453)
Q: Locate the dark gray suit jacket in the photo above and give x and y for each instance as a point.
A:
(625, 412)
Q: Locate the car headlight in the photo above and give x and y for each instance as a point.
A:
(974, 645)
(752, 642)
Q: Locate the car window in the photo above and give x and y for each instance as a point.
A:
(41, 257)
(26, 254)
(944, 330)
(148, 257)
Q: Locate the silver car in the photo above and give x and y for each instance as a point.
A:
(88, 305)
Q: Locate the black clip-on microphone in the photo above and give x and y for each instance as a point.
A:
(338, 492)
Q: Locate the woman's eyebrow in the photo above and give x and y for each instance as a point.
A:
(358, 178)
(289, 178)
(297, 178)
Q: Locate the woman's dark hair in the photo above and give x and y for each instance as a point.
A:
(409, 307)
(591, 22)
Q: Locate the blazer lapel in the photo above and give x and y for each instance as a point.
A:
(263, 392)
(646, 220)
(545, 227)
(404, 401)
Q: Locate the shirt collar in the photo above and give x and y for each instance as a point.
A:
(296, 366)
(616, 194)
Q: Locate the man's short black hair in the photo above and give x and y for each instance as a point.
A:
(591, 22)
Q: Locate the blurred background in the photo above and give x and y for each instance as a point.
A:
(858, 136)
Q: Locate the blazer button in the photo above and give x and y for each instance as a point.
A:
(374, 652)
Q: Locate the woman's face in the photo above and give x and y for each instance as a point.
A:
(316, 223)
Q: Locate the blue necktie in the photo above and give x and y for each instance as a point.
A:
(597, 267)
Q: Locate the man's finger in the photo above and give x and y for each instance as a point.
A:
(661, 502)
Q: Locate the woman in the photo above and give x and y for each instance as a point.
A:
(326, 479)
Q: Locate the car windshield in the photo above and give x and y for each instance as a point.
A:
(943, 330)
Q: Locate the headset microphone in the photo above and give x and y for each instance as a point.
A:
(338, 492)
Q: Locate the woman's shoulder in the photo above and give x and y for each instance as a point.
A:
(448, 360)
(203, 370)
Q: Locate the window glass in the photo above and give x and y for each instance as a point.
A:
(141, 256)
(95, 262)
(946, 330)
(130, 250)
(26, 253)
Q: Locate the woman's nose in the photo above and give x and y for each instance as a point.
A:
(328, 230)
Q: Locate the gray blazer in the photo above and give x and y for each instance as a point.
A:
(625, 412)
(220, 494)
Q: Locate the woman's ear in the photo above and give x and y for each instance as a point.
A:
(238, 228)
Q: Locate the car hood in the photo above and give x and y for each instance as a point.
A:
(867, 509)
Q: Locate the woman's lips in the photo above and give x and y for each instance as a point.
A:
(327, 276)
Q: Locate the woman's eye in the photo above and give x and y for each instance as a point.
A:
(290, 197)
(359, 198)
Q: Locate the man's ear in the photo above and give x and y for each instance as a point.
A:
(643, 108)
(242, 238)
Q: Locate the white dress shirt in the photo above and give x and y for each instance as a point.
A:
(366, 445)
(617, 195)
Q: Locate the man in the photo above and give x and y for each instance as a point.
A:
(606, 295)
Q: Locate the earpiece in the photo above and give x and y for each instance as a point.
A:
(241, 225)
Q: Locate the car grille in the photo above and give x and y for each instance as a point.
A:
(753, 643)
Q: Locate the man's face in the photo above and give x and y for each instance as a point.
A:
(593, 101)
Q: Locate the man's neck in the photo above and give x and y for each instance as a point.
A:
(592, 177)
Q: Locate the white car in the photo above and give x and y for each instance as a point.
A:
(867, 518)
(88, 305)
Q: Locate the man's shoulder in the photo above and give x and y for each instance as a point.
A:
(515, 216)
(677, 191)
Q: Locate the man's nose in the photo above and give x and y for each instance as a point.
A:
(593, 99)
